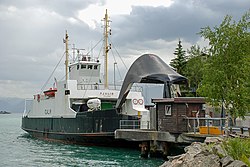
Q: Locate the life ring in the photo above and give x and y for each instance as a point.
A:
(140, 101)
(135, 101)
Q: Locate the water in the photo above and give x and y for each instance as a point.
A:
(18, 149)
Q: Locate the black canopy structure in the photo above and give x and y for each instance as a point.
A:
(149, 68)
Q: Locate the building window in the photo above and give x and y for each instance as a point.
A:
(90, 66)
(168, 109)
(95, 67)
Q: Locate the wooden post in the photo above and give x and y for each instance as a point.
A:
(153, 149)
(194, 127)
(165, 148)
(241, 130)
(144, 149)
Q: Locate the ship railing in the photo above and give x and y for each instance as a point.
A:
(205, 125)
(130, 124)
(102, 87)
(27, 106)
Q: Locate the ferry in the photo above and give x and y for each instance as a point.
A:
(83, 109)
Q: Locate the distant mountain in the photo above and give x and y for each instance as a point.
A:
(14, 105)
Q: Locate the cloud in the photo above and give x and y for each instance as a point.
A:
(94, 12)
(20, 89)
(180, 20)
(36, 41)
(32, 32)
(64, 7)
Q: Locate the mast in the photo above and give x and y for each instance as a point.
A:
(66, 40)
(106, 48)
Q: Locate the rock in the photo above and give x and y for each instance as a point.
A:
(237, 163)
(203, 155)
(195, 156)
(226, 160)
(213, 140)
(202, 160)
(194, 148)
(218, 150)
(174, 163)
(166, 164)
(171, 158)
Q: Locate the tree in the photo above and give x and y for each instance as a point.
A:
(196, 58)
(226, 79)
(180, 61)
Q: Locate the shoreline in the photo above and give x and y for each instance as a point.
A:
(5, 112)
(212, 152)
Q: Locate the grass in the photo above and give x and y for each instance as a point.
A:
(238, 149)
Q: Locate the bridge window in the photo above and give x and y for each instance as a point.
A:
(83, 66)
(90, 66)
(77, 66)
(95, 67)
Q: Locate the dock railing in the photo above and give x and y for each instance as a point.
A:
(205, 125)
(129, 124)
(134, 124)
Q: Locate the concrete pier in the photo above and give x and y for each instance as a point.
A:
(173, 122)
(150, 135)
(157, 143)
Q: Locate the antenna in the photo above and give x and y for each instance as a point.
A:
(66, 40)
(74, 51)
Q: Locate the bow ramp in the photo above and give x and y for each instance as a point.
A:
(149, 68)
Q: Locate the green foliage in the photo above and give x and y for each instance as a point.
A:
(210, 146)
(180, 61)
(245, 159)
(194, 66)
(226, 76)
(238, 149)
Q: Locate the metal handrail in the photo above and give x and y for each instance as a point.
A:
(129, 124)
(207, 121)
(27, 108)
(102, 86)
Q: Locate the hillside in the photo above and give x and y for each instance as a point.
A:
(14, 105)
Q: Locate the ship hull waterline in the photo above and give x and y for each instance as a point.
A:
(88, 128)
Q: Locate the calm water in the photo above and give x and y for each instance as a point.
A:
(17, 148)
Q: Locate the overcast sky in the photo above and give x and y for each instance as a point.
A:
(32, 33)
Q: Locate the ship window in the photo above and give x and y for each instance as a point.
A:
(90, 66)
(83, 66)
(77, 66)
(69, 69)
(95, 67)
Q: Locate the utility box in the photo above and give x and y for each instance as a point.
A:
(171, 113)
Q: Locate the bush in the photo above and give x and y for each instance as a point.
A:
(238, 149)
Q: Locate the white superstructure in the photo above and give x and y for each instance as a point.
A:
(72, 96)
(83, 84)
